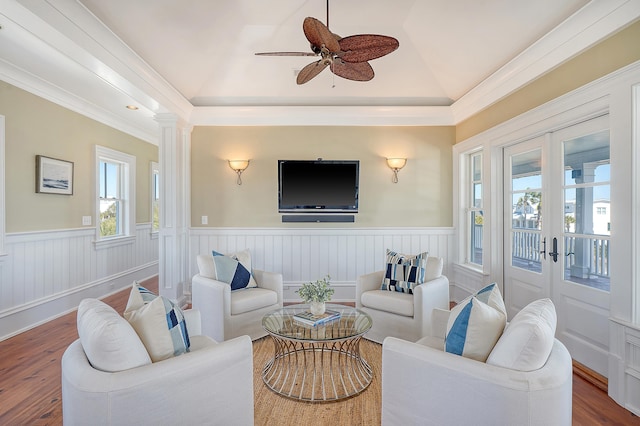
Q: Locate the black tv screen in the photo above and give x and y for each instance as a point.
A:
(318, 186)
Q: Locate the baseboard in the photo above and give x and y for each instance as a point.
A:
(591, 376)
(26, 317)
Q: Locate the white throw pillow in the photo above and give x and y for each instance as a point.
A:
(108, 340)
(159, 323)
(434, 268)
(527, 341)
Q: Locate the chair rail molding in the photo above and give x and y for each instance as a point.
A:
(307, 254)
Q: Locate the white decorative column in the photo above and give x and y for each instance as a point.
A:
(174, 147)
(2, 182)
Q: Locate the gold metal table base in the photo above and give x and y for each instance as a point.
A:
(317, 371)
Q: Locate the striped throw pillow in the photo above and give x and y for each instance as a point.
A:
(404, 272)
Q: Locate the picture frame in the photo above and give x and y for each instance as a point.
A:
(53, 176)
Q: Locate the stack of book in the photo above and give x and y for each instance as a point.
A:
(307, 318)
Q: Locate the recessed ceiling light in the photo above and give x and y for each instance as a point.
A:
(132, 107)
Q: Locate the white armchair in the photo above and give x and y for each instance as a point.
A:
(211, 384)
(424, 385)
(227, 314)
(402, 315)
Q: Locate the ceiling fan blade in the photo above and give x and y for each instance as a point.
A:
(365, 47)
(356, 71)
(310, 71)
(285, 54)
(318, 34)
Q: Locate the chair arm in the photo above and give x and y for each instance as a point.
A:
(368, 282)
(457, 390)
(187, 389)
(271, 281)
(439, 321)
(213, 299)
(194, 321)
(428, 296)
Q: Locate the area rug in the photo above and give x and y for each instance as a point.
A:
(273, 409)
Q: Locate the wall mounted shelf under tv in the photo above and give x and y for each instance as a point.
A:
(318, 186)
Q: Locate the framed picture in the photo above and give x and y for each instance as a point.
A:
(54, 176)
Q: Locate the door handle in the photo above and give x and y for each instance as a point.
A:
(544, 248)
(554, 253)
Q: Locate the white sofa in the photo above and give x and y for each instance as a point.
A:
(212, 384)
(424, 385)
(227, 314)
(402, 315)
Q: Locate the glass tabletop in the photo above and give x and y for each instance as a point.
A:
(351, 323)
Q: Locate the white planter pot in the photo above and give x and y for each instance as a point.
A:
(317, 308)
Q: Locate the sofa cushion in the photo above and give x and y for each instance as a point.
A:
(108, 340)
(404, 272)
(251, 299)
(393, 302)
(476, 324)
(159, 323)
(528, 339)
(233, 269)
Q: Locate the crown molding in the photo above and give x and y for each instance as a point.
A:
(591, 24)
(322, 116)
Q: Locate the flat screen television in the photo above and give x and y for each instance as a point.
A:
(318, 186)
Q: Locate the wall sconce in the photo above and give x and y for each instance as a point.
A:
(396, 164)
(239, 166)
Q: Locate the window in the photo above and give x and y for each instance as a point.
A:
(115, 186)
(155, 197)
(474, 208)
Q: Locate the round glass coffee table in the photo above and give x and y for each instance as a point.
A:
(317, 363)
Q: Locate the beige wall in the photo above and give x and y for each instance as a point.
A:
(421, 198)
(611, 54)
(35, 126)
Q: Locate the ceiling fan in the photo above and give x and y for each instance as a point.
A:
(346, 57)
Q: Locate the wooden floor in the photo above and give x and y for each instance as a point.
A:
(30, 391)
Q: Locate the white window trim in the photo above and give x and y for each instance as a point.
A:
(153, 167)
(462, 172)
(128, 222)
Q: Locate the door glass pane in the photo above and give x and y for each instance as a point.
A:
(587, 210)
(526, 217)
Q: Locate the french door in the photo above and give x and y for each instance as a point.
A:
(557, 213)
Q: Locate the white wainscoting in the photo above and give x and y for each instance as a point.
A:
(47, 273)
(624, 364)
(307, 254)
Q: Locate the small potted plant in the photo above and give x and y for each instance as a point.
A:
(316, 294)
